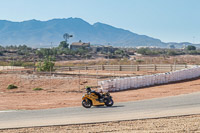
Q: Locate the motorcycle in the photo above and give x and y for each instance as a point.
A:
(91, 99)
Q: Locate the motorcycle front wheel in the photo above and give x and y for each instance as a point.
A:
(86, 104)
(109, 102)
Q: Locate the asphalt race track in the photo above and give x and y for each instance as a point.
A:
(160, 107)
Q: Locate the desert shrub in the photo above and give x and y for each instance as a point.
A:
(37, 89)
(139, 61)
(12, 86)
(3, 63)
(148, 51)
(142, 51)
(193, 52)
(28, 64)
(16, 63)
(46, 65)
(21, 63)
(172, 53)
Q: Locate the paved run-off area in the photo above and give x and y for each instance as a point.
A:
(78, 117)
(179, 124)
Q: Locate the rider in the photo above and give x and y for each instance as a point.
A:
(88, 89)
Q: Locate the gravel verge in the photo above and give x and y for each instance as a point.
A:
(181, 124)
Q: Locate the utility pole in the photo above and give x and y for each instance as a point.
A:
(50, 69)
(51, 44)
(193, 39)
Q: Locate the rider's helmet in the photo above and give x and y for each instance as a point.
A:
(88, 89)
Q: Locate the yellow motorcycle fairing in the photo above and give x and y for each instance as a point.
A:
(93, 98)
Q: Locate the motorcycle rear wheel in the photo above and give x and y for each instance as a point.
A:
(87, 104)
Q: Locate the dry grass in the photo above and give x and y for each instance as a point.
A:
(182, 59)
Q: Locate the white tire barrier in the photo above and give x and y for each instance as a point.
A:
(149, 80)
(10, 67)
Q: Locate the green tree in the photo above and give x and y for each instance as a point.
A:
(23, 47)
(46, 66)
(63, 44)
(190, 47)
(142, 51)
(82, 51)
(46, 52)
(1, 53)
(119, 52)
(1, 47)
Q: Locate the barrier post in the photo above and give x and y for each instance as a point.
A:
(137, 68)
(171, 68)
(102, 67)
(132, 67)
(120, 68)
(155, 67)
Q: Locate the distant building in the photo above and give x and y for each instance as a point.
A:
(146, 47)
(80, 44)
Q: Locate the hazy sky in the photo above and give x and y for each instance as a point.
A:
(168, 20)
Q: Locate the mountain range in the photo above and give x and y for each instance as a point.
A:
(37, 33)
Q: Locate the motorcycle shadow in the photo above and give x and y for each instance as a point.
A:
(117, 106)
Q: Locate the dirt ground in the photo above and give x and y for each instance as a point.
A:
(66, 92)
(113, 73)
(182, 124)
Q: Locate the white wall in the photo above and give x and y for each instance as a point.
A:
(10, 67)
(149, 80)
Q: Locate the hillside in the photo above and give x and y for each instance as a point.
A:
(41, 33)
(37, 33)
